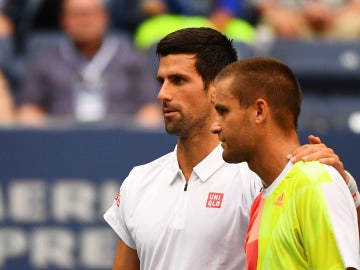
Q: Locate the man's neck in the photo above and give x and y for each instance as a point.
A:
(271, 157)
(191, 152)
(88, 49)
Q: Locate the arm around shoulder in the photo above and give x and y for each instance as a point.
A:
(125, 258)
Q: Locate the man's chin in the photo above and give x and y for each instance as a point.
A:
(171, 130)
(230, 159)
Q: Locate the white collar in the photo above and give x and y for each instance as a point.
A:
(207, 167)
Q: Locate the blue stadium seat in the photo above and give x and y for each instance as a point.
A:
(320, 64)
(243, 49)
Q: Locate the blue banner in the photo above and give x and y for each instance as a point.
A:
(56, 184)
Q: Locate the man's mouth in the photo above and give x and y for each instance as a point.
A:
(168, 111)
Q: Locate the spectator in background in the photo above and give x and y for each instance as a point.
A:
(309, 19)
(90, 74)
(129, 14)
(161, 17)
(219, 12)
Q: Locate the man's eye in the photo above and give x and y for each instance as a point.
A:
(221, 110)
(178, 80)
(160, 81)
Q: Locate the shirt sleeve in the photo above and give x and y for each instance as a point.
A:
(343, 218)
(329, 224)
(117, 215)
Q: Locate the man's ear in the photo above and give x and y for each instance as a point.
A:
(211, 92)
(261, 109)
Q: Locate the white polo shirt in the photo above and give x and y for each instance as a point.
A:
(203, 227)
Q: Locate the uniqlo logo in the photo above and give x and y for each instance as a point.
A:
(214, 200)
(117, 199)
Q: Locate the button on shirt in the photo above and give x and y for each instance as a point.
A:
(203, 227)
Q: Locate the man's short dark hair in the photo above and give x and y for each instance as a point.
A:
(213, 50)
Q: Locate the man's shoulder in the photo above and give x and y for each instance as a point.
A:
(156, 165)
(45, 58)
(146, 175)
(314, 172)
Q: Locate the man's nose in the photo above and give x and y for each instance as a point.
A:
(163, 93)
(215, 128)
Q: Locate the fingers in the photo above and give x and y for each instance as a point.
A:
(320, 152)
(314, 139)
(309, 152)
(308, 155)
(331, 161)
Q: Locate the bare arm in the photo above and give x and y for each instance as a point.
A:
(31, 114)
(6, 101)
(125, 258)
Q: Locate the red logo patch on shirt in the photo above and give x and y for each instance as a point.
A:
(279, 200)
(214, 200)
(117, 199)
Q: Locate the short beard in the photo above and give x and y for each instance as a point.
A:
(175, 128)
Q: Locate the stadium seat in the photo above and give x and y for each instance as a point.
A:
(320, 64)
(243, 49)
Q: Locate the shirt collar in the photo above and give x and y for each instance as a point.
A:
(278, 179)
(174, 168)
(207, 167)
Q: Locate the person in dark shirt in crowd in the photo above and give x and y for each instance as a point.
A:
(90, 74)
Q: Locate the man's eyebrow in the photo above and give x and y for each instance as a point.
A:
(175, 76)
(182, 75)
(159, 78)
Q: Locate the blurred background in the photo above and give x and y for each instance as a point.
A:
(78, 105)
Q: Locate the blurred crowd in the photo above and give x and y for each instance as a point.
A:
(88, 60)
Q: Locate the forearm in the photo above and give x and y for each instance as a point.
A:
(125, 258)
